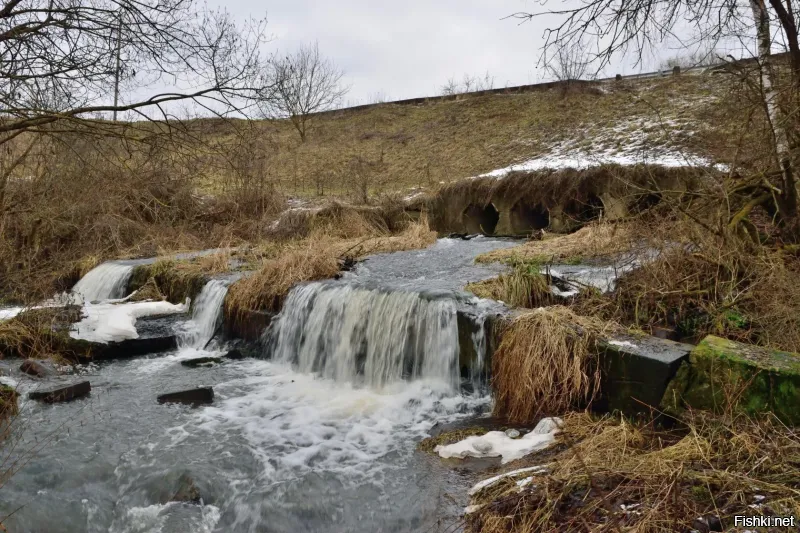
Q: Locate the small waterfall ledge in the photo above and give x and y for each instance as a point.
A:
(375, 337)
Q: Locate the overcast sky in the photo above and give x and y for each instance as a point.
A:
(410, 48)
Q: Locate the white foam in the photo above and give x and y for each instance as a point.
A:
(498, 444)
(116, 321)
(296, 423)
(622, 343)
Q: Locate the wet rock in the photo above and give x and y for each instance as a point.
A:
(62, 394)
(201, 361)
(199, 396)
(35, 368)
(234, 354)
(187, 491)
(636, 371)
(706, 524)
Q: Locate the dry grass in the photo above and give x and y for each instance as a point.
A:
(599, 240)
(449, 437)
(714, 467)
(700, 283)
(546, 363)
(319, 256)
(524, 286)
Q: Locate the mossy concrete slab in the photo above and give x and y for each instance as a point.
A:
(636, 371)
(726, 376)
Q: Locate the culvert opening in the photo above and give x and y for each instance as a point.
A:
(526, 218)
(584, 211)
(646, 201)
(481, 219)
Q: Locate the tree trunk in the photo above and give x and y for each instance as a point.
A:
(788, 197)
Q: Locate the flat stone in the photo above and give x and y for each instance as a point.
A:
(199, 396)
(62, 394)
(723, 375)
(636, 371)
(34, 368)
(201, 361)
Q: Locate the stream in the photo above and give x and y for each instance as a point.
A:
(319, 435)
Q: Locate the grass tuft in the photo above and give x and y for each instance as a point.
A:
(546, 363)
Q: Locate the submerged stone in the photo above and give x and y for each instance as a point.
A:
(636, 371)
(34, 368)
(199, 396)
(63, 394)
(201, 361)
(724, 375)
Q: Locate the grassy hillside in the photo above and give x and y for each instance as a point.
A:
(139, 189)
(425, 145)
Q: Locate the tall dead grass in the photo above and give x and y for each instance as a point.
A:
(597, 240)
(546, 364)
(524, 287)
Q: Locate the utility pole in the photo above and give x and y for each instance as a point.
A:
(119, 66)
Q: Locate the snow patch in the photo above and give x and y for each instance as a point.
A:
(622, 343)
(115, 321)
(498, 444)
(492, 480)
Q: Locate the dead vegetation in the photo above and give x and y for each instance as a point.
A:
(43, 334)
(598, 240)
(319, 256)
(546, 364)
(449, 437)
(613, 475)
(524, 286)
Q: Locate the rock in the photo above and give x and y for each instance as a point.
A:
(201, 361)
(8, 402)
(636, 371)
(34, 368)
(187, 491)
(708, 523)
(63, 394)
(512, 433)
(199, 396)
(234, 354)
(720, 371)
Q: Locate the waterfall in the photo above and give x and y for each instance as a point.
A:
(353, 334)
(206, 315)
(106, 281)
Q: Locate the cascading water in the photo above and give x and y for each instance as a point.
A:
(106, 281)
(353, 334)
(206, 315)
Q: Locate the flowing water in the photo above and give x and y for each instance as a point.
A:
(319, 436)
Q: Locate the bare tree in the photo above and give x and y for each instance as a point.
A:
(638, 25)
(568, 63)
(304, 83)
(58, 59)
(468, 84)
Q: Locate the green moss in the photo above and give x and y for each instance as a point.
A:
(726, 376)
